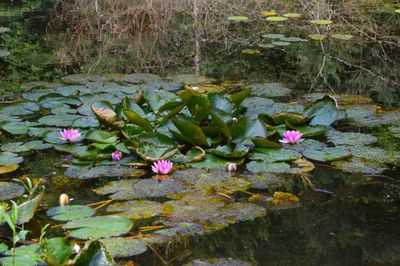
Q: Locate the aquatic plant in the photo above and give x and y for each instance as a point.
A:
(231, 167)
(116, 156)
(162, 167)
(292, 137)
(70, 135)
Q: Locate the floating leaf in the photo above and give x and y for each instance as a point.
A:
(317, 37)
(137, 209)
(8, 169)
(94, 254)
(276, 19)
(323, 111)
(291, 39)
(218, 262)
(99, 227)
(9, 158)
(259, 166)
(10, 190)
(18, 128)
(135, 189)
(251, 51)
(26, 255)
(101, 136)
(56, 251)
(321, 21)
(70, 212)
(269, 89)
(344, 37)
(292, 15)
(192, 132)
(238, 18)
(274, 155)
(269, 13)
(85, 172)
(123, 247)
(327, 154)
(273, 36)
(350, 138)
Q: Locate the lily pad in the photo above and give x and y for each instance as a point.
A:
(99, 227)
(276, 19)
(25, 108)
(361, 166)
(18, 128)
(273, 36)
(218, 262)
(8, 169)
(9, 158)
(350, 138)
(344, 37)
(137, 209)
(70, 212)
(269, 90)
(137, 189)
(274, 155)
(292, 15)
(260, 166)
(323, 111)
(281, 43)
(123, 247)
(61, 120)
(138, 78)
(238, 18)
(10, 190)
(86, 172)
(26, 255)
(327, 154)
(321, 21)
(83, 78)
(317, 37)
(211, 162)
(250, 51)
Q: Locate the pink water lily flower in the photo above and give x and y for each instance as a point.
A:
(70, 135)
(116, 156)
(292, 137)
(162, 167)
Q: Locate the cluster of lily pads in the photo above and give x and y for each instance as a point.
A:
(115, 125)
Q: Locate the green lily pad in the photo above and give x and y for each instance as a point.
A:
(94, 254)
(292, 15)
(86, 122)
(122, 247)
(83, 78)
(310, 131)
(62, 120)
(9, 158)
(70, 212)
(136, 189)
(191, 79)
(211, 162)
(281, 43)
(276, 19)
(274, 155)
(273, 36)
(16, 109)
(265, 180)
(350, 138)
(53, 137)
(245, 129)
(227, 151)
(361, 166)
(10, 190)
(292, 39)
(238, 18)
(26, 255)
(269, 90)
(99, 227)
(27, 210)
(101, 136)
(344, 37)
(19, 127)
(321, 21)
(317, 37)
(86, 172)
(192, 132)
(323, 111)
(137, 209)
(260, 166)
(56, 251)
(327, 154)
(138, 78)
(28, 146)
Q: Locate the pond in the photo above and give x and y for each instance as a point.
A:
(280, 120)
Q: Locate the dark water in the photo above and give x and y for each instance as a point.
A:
(350, 220)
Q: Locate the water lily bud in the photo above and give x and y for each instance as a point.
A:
(77, 249)
(139, 98)
(235, 120)
(232, 167)
(63, 200)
